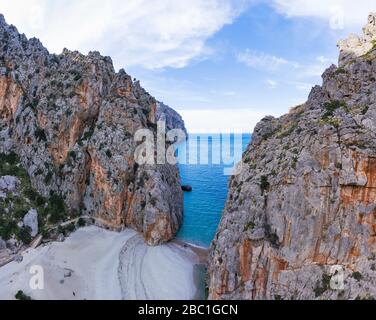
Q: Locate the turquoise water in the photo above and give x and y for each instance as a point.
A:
(203, 206)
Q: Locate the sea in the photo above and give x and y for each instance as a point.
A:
(206, 162)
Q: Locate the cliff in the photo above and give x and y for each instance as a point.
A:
(171, 117)
(299, 218)
(71, 120)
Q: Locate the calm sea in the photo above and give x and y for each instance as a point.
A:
(202, 161)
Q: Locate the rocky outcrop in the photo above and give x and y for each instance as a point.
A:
(71, 118)
(301, 218)
(30, 220)
(357, 46)
(172, 119)
(8, 184)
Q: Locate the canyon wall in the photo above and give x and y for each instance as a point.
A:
(71, 119)
(301, 217)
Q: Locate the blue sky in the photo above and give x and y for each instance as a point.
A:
(222, 64)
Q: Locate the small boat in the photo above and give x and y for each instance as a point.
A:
(186, 188)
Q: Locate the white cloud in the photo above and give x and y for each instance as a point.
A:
(303, 86)
(221, 120)
(340, 14)
(284, 68)
(261, 61)
(271, 83)
(323, 59)
(153, 34)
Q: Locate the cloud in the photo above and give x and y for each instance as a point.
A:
(152, 34)
(262, 61)
(340, 14)
(303, 86)
(267, 62)
(323, 59)
(271, 83)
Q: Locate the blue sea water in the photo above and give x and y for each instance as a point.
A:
(202, 161)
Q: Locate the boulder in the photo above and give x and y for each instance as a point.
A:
(3, 244)
(8, 184)
(31, 220)
(186, 188)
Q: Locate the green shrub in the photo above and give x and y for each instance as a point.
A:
(48, 178)
(70, 227)
(40, 134)
(39, 200)
(264, 184)
(81, 222)
(19, 211)
(24, 235)
(7, 229)
(88, 134)
(20, 295)
(340, 71)
(330, 107)
(364, 110)
(249, 226)
(56, 208)
(357, 276)
(72, 154)
(11, 158)
(38, 172)
(322, 286)
(30, 193)
(271, 235)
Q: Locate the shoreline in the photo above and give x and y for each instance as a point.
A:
(200, 251)
(88, 265)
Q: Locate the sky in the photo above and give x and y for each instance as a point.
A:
(223, 64)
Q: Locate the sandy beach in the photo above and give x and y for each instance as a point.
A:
(94, 263)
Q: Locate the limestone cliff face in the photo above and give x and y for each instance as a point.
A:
(171, 117)
(294, 214)
(71, 118)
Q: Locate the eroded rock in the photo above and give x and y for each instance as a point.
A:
(31, 220)
(71, 118)
(304, 203)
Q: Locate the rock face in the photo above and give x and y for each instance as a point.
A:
(7, 184)
(171, 117)
(71, 118)
(355, 46)
(31, 220)
(300, 221)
